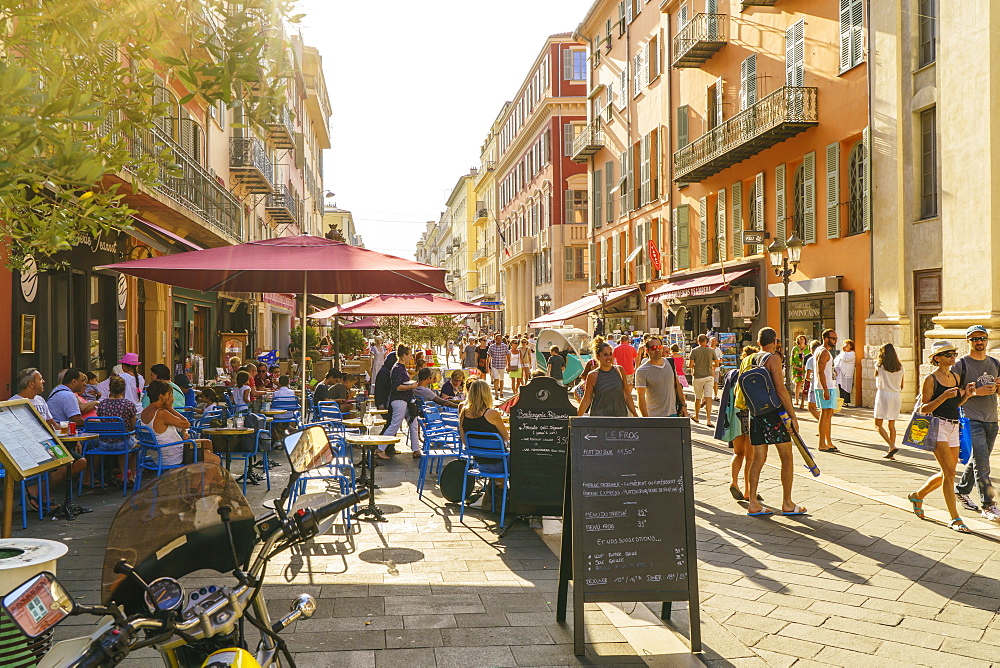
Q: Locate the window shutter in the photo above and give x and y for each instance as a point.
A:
(780, 208)
(857, 24)
(833, 191)
(644, 172)
(616, 259)
(683, 17)
(759, 207)
(568, 136)
(592, 278)
(845, 35)
(628, 11)
(161, 96)
(654, 58)
(866, 209)
(568, 273)
(633, 189)
(682, 126)
(737, 219)
(682, 237)
(703, 228)
(609, 184)
(809, 194)
(637, 74)
(188, 134)
(645, 64)
(720, 224)
(748, 82)
(609, 110)
(568, 206)
(795, 44)
(654, 165)
(603, 268)
(567, 63)
(719, 88)
(598, 215)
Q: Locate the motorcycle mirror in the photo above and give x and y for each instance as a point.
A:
(308, 449)
(38, 604)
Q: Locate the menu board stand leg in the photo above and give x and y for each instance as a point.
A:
(665, 611)
(694, 617)
(565, 554)
(8, 505)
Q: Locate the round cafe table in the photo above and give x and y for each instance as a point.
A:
(359, 424)
(69, 510)
(370, 445)
(227, 433)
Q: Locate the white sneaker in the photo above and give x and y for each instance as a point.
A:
(991, 514)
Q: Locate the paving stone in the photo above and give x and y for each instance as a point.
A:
(429, 621)
(474, 657)
(413, 638)
(854, 612)
(774, 659)
(903, 635)
(925, 657)
(364, 623)
(831, 637)
(352, 659)
(790, 646)
(472, 637)
(971, 633)
(837, 656)
(748, 621)
(403, 658)
(338, 640)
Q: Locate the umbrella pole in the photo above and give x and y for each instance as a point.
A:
(305, 297)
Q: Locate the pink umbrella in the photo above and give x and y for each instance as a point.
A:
(300, 265)
(406, 304)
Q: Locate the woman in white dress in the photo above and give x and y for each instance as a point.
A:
(888, 392)
(844, 366)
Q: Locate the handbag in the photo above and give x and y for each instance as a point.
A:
(964, 438)
(921, 432)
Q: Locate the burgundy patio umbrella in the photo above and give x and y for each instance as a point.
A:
(403, 304)
(300, 264)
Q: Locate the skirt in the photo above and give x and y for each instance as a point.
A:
(887, 405)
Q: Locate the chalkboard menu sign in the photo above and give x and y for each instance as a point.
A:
(539, 441)
(628, 531)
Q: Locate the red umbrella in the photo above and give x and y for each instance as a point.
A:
(364, 323)
(411, 304)
(300, 264)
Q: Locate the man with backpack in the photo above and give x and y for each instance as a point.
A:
(981, 409)
(761, 390)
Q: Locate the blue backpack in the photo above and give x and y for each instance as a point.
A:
(759, 393)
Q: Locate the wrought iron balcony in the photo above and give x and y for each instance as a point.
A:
(590, 141)
(185, 181)
(699, 39)
(489, 165)
(249, 164)
(282, 207)
(778, 116)
(279, 129)
(480, 252)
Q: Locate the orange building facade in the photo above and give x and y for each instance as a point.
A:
(718, 117)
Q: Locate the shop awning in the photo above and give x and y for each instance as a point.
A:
(701, 285)
(585, 304)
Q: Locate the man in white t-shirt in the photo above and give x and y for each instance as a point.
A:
(30, 386)
(713, 343)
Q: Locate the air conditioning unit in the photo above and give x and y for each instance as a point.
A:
(482, 213)
(744, 302)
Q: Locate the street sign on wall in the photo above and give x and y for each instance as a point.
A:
(753, 237)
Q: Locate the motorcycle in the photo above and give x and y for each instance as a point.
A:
(187, 520)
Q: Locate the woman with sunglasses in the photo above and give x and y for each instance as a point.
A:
(606, 392)
(941, 397)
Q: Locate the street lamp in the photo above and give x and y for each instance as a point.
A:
(784, 260)
(603, 288)
(544, 303)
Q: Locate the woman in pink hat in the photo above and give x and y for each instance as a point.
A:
(134, 382)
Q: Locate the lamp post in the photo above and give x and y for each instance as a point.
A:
(544, 304)
(784, 260)
(603, 288)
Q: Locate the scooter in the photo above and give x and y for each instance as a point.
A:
(187, 520)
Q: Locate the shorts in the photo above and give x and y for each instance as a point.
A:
(826, 404)
(703, 387)
(947, 433)
(497, 374)
(768, 429)
(744, 417)
(514, 374)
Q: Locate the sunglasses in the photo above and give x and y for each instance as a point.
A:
(653, 347)
(977, 339)
(950, 353)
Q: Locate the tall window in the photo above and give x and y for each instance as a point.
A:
(856, 177)
(575, 65)
(576, 206)
(852, 15)
(927, 21)
(574, 263)
(928, 163)
(798, 218)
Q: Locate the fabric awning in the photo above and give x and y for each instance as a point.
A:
(701, 285)
(584, 304)
(416, 304)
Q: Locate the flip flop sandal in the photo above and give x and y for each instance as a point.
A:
(763, 513)
(830, 450)
(891, 454)
(737, 494)
(958, 525)
(918, 506)
(799, 510)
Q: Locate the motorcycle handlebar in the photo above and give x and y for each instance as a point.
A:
(340, 504)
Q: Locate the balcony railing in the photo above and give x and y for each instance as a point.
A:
(523, 246)
(489, 165)
(699, 39)
(248, 162)
(545, 238)
(279, 129)
(590, 141)
(281, 206)
(780, 115)
(480, 252)
(192, 186)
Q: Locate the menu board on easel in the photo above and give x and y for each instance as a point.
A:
(28, 445)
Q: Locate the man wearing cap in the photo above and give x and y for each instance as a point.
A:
(981, 409)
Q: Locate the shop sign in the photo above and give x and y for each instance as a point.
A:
(654, 255)
(122, 292)
(279, 300)
(107, 244)
(804, 310)
(29, 279)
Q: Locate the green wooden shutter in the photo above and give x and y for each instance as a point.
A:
(809, 194)
(598, 181)
(609, 184)
(682, 237)
(748, 82)
(592, 256)
(703, 228)
(737, 190)
(866, 209)
(568, 206)
(616, 259)
(758, 207)
(780, 207)
(833, 191)
(720, 224)
(682, 126)
(845, 35)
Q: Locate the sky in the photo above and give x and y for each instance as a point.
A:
(414, 87)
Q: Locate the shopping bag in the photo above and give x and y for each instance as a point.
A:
(964, 438)
(921, 432)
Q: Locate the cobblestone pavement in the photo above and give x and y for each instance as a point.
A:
(860, 580)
